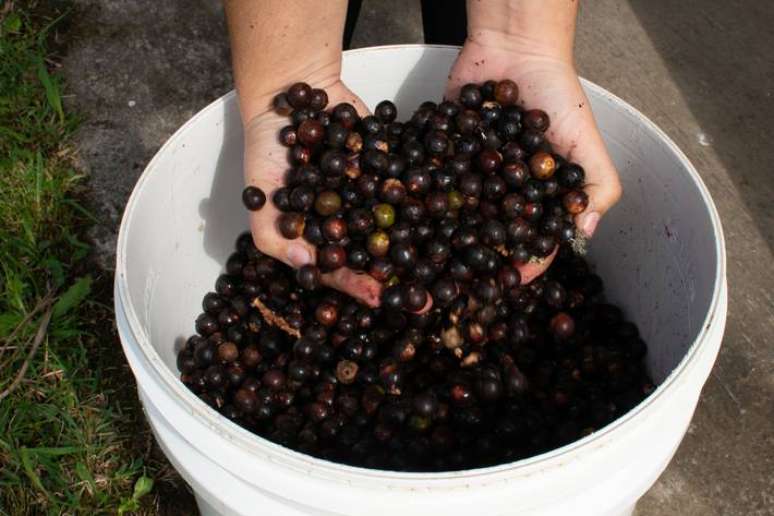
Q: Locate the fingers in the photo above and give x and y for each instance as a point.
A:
(360, 286)
(265, 161)
(584, 145)
(427, 306)
(267, 238)
(603, 185)
(299, 252)
(604, 190)
(340, 93)
(531, 270)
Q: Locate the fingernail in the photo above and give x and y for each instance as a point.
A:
(298, 256)
(589, 223)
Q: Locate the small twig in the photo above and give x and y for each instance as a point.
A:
(275, 320)
(39, 336)
(10, 358)
(43, 303)
(57, 374)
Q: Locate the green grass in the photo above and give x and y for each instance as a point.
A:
(67, 439)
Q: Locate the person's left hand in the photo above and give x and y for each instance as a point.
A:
(548, 82)
(265, 164)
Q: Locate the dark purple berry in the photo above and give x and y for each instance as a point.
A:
(471, 96)
(415, 297)
(253, 198)
(308, 276)
(299, 95)
(386, 111)
(570, 176)
(394, 297)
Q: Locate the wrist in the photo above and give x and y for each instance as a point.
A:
(544, 28)
(521, 45)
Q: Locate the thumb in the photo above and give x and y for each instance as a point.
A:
(604, 190)
(603, 185)
(299, 252)
(267, 238)
(359, 285)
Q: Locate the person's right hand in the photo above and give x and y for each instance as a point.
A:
(547, 80)
(265, 164)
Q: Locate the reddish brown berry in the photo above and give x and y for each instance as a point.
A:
(308, 276)
(250, 357)
(310, 132)
(228, 352)
(332, 257)
(288, 136)
(489, 160)
(291, 224)
(318, 99)
(562, 325)
(282, 105)
(245, 401)
(575, 201)
(537, 120)
(299, 95)
(326, 314)
(334, 229)
(542, 165)
(506, 92)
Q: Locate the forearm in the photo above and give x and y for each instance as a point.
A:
(545, 27)
(277, 42)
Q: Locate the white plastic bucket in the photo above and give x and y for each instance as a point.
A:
(660, 252)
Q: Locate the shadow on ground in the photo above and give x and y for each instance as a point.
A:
(722, 62)
(136, 70)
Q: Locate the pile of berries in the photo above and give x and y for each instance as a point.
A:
(460, 193)
(533, 368)
(447, 204)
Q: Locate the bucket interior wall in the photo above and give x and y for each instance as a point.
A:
(654, 249)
